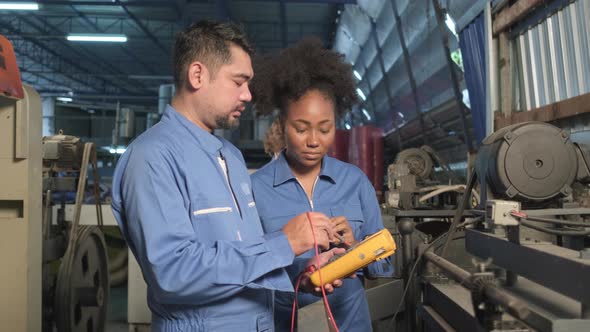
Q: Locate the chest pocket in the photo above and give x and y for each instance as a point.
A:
(274, 219)
(214, 220)
(354, 214)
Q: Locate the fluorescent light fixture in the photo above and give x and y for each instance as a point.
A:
(347, 126)
(117, 150)
(401, 115)
(361, 94)
(19, 6)
(357, 75)
(366, 114)
(97, 38)
(64, 99)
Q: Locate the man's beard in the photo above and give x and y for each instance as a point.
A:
(227, 122)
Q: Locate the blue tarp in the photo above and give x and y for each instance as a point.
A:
(473, 51)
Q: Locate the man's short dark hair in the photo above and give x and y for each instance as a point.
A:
(207, 42)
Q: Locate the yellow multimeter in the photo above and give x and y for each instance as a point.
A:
(373, 248)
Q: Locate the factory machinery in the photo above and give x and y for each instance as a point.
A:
(518, 259)
(75, 297)
(515, 257)
(54, 271)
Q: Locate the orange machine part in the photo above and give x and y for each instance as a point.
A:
(10, 83)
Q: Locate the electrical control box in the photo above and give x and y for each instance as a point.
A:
(375, 247)
(498, 213)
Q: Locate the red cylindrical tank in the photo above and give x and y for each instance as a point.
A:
(339, 149)
(360, 152)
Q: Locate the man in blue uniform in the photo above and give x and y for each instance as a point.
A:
(183, 200)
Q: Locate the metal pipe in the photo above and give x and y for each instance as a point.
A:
(406, 229)
(455, 272)
(514, 306)
(495, 294)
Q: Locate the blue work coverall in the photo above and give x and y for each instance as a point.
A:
(341, 189)
(207, 263)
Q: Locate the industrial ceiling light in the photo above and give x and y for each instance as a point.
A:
(64, 99)
(19, 6)
(366, 114)
(118, 150)
(97, 38)
(357, 75)
(361, 94)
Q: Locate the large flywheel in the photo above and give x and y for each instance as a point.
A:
(419, 162)
(82, 292)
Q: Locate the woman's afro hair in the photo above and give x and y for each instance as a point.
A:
(287, 76)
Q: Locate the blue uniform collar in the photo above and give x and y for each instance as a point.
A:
(209, 142)
(283, 172)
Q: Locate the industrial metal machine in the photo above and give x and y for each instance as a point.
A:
(53, 274)
(413, 186)
(20, 198)
(519, 261)
(76, 296)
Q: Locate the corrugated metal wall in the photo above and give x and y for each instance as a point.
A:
(554, 57)
(380, 64)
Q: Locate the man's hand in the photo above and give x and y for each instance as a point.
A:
(341, 226)
(306, 284)
(298, 231)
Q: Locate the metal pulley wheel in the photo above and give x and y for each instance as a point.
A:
(82, 291)
(419, 162)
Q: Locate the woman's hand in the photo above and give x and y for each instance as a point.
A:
(342, 227)
(306, 284)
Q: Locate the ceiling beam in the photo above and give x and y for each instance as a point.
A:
(334, 2)
(173, 4)
(80, 53)
(72, 50)
(141, 3)
(52, 59)
(283, 18)
(124, 49)
(510, 15)
(223, 12)
(143, 28)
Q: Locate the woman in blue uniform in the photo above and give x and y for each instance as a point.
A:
(311, 87)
